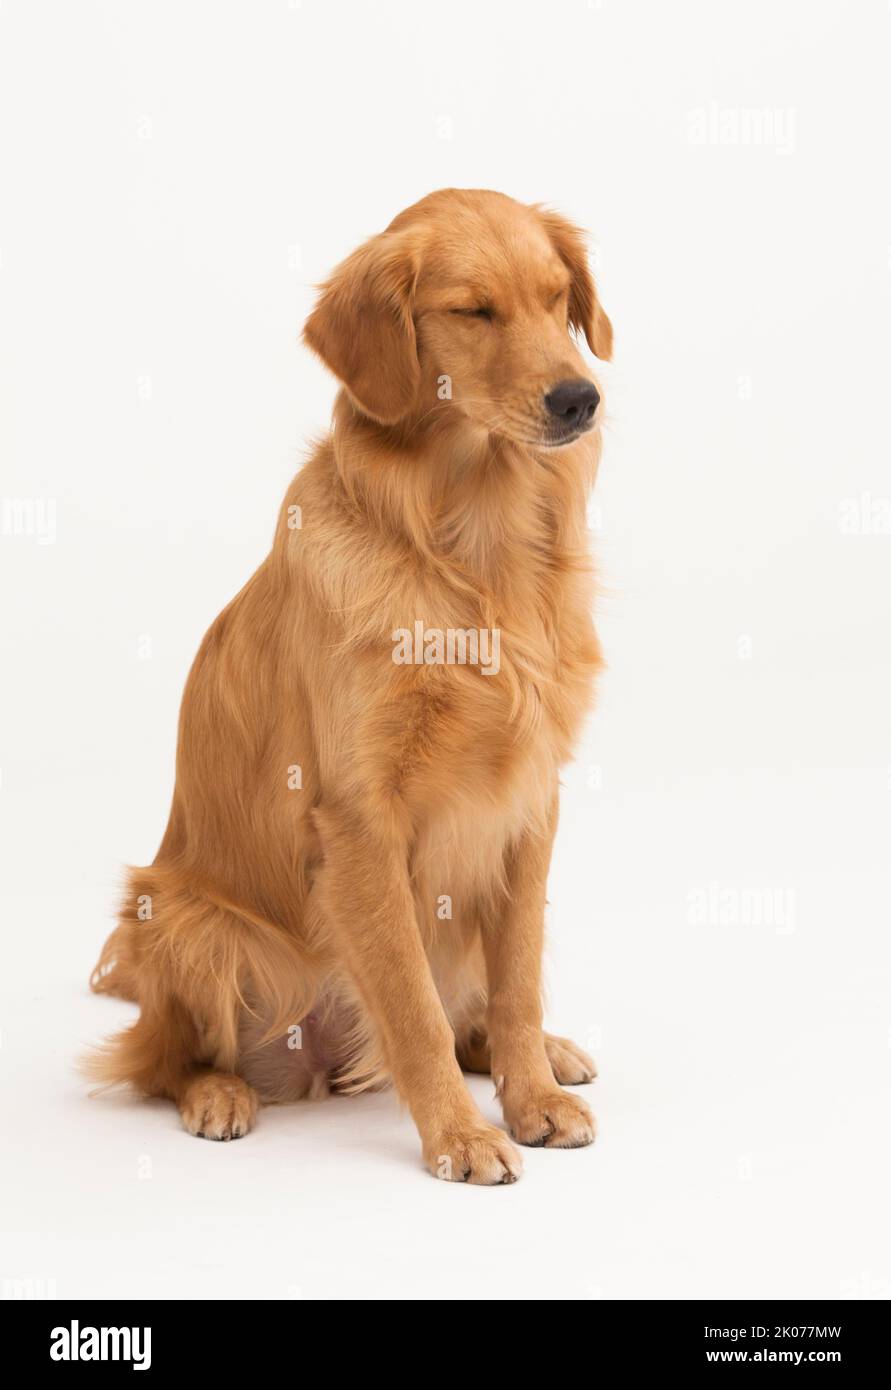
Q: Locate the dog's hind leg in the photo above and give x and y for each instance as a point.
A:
(189, 966)
(570, 1065)
(163, 1054)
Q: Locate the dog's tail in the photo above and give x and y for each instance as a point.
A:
(113, 972)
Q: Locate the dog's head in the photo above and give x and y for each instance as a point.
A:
(468, 302)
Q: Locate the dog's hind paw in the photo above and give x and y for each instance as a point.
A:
(218, 1105)
(570, 1065)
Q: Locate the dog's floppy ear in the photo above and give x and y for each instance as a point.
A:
(585, 312)
(362, 326)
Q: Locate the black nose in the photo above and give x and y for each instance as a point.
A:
(573, 403)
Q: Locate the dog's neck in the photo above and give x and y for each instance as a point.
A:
(463, 497)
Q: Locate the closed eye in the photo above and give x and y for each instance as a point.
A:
(481, 311)
(555, 298)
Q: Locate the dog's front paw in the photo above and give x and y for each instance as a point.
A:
(550, 1119)
(477, 1153)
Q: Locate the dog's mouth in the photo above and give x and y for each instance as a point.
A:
(538, 433)
(559, 440)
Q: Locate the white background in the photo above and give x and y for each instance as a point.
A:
(175, 177)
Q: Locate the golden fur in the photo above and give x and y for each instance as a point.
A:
(293, 932)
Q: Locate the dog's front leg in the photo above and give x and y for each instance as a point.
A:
(537, 1111)
(366, 897)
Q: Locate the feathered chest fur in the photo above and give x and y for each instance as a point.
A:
(458, 606)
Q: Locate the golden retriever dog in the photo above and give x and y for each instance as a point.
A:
(351, 886)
